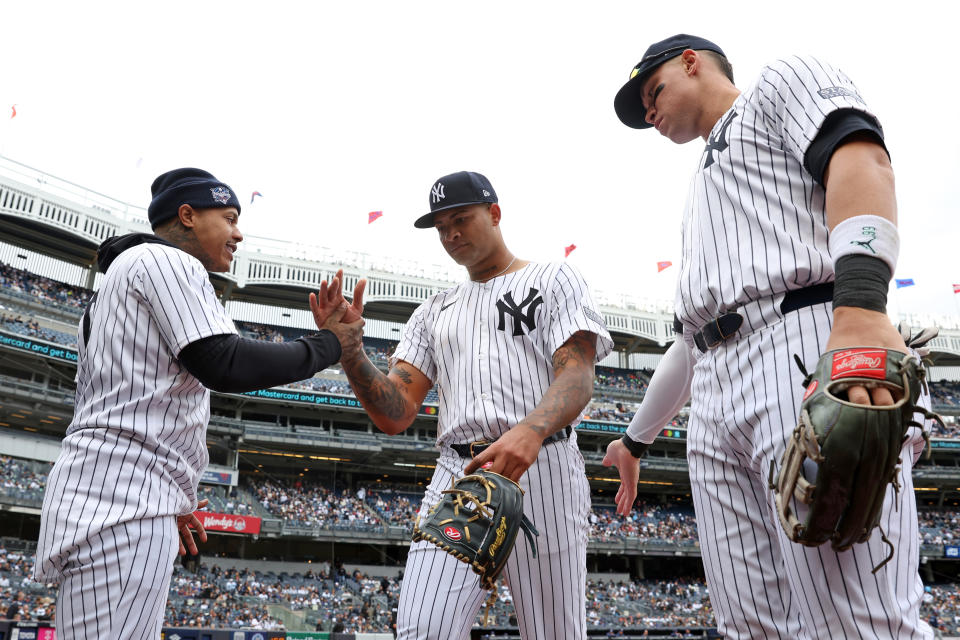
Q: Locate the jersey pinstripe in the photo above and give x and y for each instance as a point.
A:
(489, 347)
(755, 222)
(137, 443)
(754, 228)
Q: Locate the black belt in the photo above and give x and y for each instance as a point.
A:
(473, 449)
(723, 327)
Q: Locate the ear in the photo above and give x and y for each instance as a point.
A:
(690, 60)
(495, 214)
(187, 215)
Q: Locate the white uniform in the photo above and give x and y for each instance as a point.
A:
(136, 447)
(755, 228)
(489, 347)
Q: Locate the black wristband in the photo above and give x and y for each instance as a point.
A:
(635, 447)
(861, 281)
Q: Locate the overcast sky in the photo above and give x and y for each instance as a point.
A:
(335, 109)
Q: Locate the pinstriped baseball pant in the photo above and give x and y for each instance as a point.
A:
(115, 584)
(746, 399)
(441, 596)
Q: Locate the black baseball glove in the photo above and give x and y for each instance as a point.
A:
(477, 521)
(842, 456)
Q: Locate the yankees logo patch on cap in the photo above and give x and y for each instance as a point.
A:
(457, 190)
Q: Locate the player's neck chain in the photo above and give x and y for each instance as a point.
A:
(507, 268)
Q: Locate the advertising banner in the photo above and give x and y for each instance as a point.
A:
(226, 522)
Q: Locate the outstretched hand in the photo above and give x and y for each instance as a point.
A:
(629, 467)
(330, 298)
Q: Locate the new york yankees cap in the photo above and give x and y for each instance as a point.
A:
(629, 101)
(457, 190)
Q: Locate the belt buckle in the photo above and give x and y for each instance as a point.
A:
(481, 443)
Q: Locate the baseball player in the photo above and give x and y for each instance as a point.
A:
(153, 339)
(789, 243)
(511, 352)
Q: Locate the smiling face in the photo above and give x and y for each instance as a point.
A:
(672, 99)
(469, 234)
(217, 236)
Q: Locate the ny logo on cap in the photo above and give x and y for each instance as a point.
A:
(438, 192)
(220, 194)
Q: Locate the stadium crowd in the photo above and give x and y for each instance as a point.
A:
(18, 281)
(311, 504)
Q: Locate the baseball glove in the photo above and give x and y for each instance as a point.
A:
(851, 451)
(477, 521)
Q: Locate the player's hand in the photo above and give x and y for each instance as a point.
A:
(350, 334)
(856, 327)
(629, 467)
(186, 536)
(511, 455)
(330, 298)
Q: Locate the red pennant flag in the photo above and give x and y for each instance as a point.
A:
(254, 195)
(373, 215)
(14, 109)
(663, 265)
(568, 250)
(956, 288)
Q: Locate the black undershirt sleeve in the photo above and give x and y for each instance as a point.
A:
(231, 364)
(834, 130)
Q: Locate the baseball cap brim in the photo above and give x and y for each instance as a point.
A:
(629, 102)
(426, 221)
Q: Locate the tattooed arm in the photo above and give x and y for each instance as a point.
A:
(391, 400)
(571, 389)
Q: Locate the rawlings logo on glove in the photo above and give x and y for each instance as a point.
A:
(854, 449)
(477, 522)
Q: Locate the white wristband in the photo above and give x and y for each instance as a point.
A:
(866, 235)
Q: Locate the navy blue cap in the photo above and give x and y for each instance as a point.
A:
(629, 101)
(457, 190)
(195, 187)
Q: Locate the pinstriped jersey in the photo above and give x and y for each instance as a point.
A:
(755, 219)
(137, 443)
(488, 346)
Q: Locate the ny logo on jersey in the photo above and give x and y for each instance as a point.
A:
(506, 305)
(437, 192)
(718, 142)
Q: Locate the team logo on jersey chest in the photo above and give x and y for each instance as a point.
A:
(719, 141)
(521, 318)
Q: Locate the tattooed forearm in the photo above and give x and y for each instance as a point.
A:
(571, 388)
(403, 375)
(377, 393)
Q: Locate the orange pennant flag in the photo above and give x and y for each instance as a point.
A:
(663, 265)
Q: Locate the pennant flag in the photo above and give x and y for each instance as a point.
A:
(663, 265)
(373, 215)
(13, 108)
(956, 288)
(254, 195)
(568, 250)
(906, 282)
